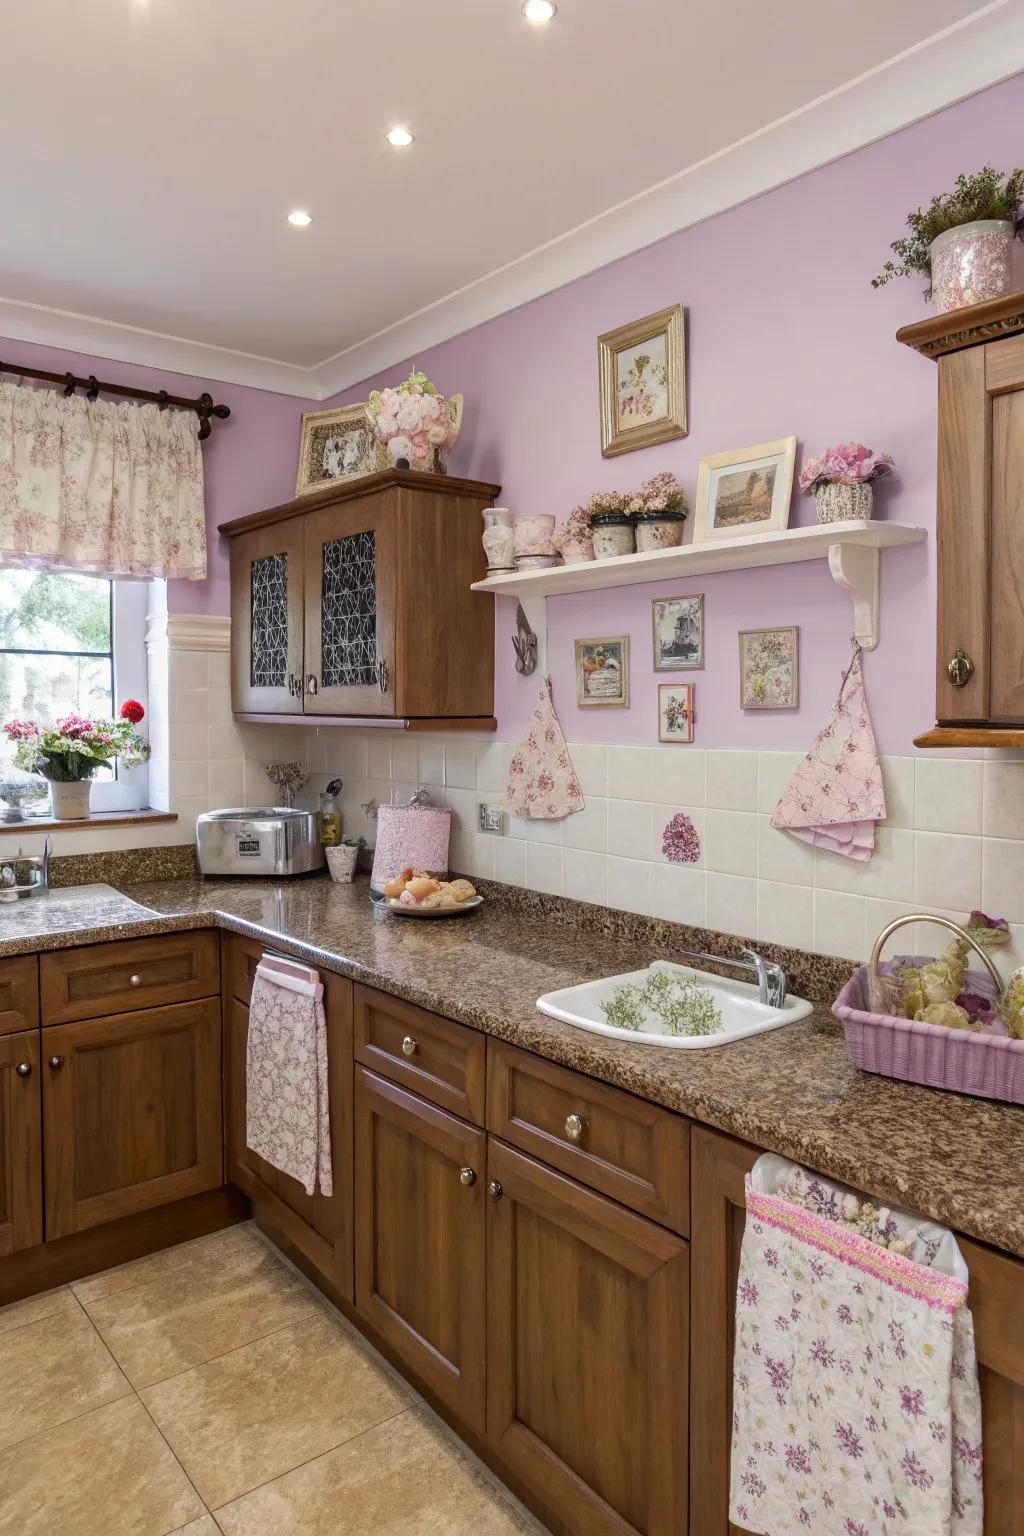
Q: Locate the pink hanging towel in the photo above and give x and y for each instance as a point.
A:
(542, 782)
(835, 796)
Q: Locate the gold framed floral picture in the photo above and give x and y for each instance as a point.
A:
(770, 668)
(602, 673)
(339, 444)
(642, 371)
(746, 491)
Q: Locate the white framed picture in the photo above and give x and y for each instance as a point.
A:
(744, 492)
(602, 673)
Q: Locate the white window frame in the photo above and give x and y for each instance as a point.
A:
(129, 789)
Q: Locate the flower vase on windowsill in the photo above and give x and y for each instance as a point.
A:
(68, 752)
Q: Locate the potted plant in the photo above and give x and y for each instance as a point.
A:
(611, 525)
(963, 240)
(841, 481)
(415, 423)
(573, 538)
(68, 752)
(658, 510)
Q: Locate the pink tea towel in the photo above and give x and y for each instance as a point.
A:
(542, 782)
(835, 796)
(287, 1115)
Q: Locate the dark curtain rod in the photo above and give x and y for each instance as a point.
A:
(203, 407)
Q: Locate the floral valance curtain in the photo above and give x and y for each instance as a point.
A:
(87, 485)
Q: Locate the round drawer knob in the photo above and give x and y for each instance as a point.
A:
(135, 981)
(56, 1061)
(575, 1125)
(409, 1046)
(467, 1176)
(494, 1189)
(24, 1069)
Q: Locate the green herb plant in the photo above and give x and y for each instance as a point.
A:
(988, 194)
(684, 1007)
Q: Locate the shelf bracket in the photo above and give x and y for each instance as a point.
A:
(855, 567)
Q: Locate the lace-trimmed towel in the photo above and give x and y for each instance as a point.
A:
(835, 796)
(287, 1115)
(542, 782)
(855, 1389)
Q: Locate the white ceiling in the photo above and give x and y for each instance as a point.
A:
(154, 147)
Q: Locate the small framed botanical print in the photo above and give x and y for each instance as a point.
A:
(675, 712)
(678, 624)
(770, 668)
(642, 370)
(602, 673)
(339, 444)
(744, 492)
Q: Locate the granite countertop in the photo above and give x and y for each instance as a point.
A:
(792, 1091)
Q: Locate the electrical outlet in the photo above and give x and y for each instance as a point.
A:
(491, 818)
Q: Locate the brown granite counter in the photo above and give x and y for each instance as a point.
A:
(792, 1091)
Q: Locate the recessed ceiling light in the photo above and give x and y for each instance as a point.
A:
(400, 137)
(300, 218)
(539, 12)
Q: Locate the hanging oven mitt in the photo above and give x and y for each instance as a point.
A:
(542, 782)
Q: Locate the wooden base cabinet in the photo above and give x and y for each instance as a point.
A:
(420, 1213)
(21, 1170)
(587, 1378)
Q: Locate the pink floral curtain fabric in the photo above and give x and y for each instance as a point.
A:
(92, 486)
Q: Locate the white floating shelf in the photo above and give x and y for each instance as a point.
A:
(850, 547)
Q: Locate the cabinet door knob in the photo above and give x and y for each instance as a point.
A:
(311, 683)
(56, 1061)
(382, 675)
(575, 1125)
(409, 1046)
(135, 980)
(494, 1189)
(24, 1069)
(467, 1176)
(961, 669)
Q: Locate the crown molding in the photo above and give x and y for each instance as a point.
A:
(189, 631)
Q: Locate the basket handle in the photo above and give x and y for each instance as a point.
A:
(942, 922)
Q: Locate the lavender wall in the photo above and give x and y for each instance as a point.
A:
(785, 335)
(249, 460)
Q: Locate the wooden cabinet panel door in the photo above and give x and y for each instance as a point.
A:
(131, 1113)
(420, 1238)
(587, 1318)
(266, 619)
(996, 1286)
(21, 1170)
(350, 607)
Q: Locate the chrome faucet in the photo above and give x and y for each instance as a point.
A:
(772, 982)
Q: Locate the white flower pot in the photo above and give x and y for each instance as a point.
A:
(342, 863)
(971, 264)
(834, 502)
(70, 801)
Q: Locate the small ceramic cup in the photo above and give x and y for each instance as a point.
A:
(342, 863)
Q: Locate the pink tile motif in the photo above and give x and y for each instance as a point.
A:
(680, 842)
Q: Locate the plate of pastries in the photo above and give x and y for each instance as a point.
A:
(415, 893)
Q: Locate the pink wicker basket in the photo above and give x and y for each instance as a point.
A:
(988, 1066)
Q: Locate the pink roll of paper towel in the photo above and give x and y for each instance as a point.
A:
(410, 837)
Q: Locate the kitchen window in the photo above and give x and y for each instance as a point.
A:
(75, 644)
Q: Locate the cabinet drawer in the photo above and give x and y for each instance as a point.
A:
(100, 979)
(19, 994)
(633, 1151)
(443, 1061)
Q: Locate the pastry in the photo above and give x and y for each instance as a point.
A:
(422, 885)
(395, 887)
(462, 890)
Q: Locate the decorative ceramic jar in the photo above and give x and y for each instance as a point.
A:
(971, 263)
(498, 539)
(532, 533)
(342, 861)
(835, 502)
(658, 530)
(70, 799)
(613, 535)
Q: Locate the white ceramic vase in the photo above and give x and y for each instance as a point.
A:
(70, 800)
(341, 862)
(971, 264)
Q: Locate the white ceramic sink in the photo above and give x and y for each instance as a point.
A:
(741, 1012)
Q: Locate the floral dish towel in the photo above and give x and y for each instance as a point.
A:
(856, 1408)
(287, 1112)
(542, 782)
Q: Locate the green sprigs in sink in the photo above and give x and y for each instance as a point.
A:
(679, 1003)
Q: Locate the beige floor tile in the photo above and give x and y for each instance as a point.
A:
(223, 1298)
(206, 1525)
(256, 1413)
(156, 1266)
(404, 1477)
(51, 1371)
(17, 1313)
(108, 1473)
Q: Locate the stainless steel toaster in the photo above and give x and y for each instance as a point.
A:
(273, 840)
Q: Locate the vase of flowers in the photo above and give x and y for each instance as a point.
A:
(658, 510)
(415, 424)
(573, 537)
(611, 525)
(963, 240)
(841, 481)
(68, 752)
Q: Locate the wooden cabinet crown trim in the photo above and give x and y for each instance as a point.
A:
(968, 327)
(406, 479)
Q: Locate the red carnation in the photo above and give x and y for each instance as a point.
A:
(132, 710)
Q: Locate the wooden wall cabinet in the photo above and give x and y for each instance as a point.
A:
(355, 602)
(979, 520)
(21, 1163)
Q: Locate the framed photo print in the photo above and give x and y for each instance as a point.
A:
(675, 712)
(642, 370)
(770, 668)
(678, 624)
(745, 492)
(602, 673)
(337, 445)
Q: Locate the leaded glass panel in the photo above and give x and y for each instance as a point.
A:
(269, 663)
(348, 613)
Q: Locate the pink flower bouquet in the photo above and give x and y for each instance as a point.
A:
(414, 422)
(71, 749)
(846, 464)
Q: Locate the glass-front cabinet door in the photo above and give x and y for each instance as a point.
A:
(266, 618)
(350, 608)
